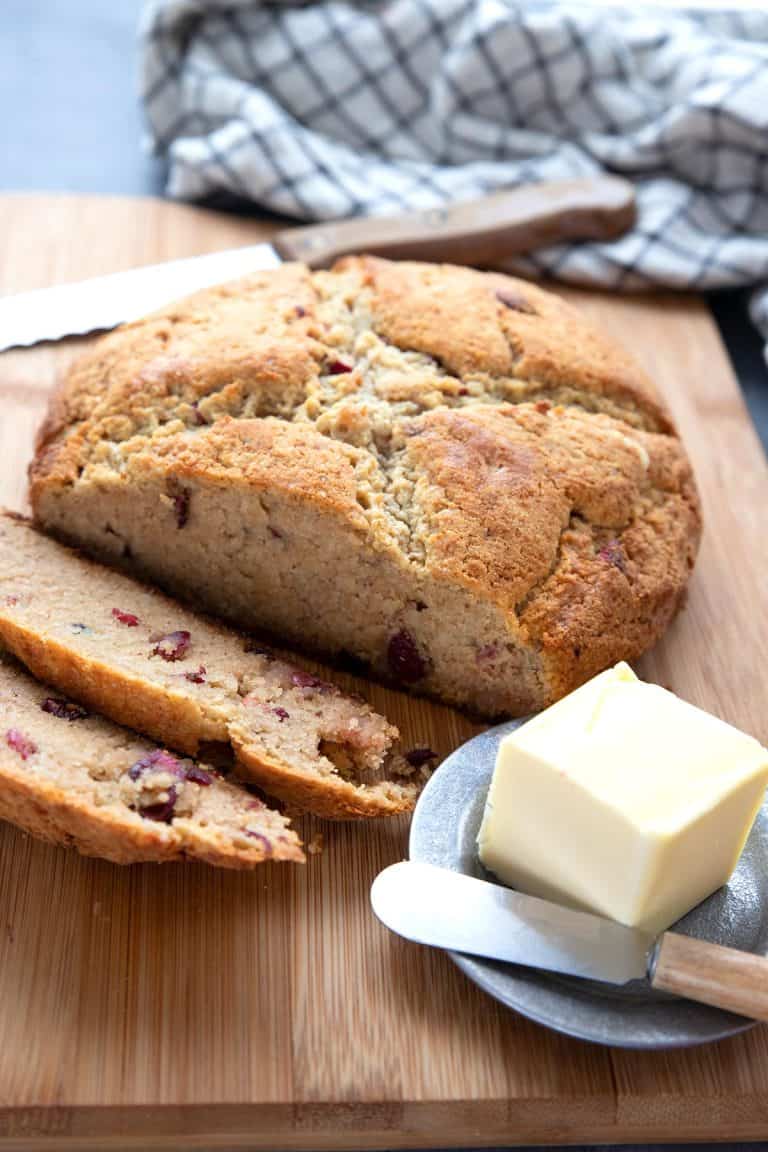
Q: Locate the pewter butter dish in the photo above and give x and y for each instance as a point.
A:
(448, 820)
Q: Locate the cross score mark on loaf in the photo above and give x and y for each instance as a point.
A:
(447, 474)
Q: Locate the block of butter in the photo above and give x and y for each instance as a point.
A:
(623, 800)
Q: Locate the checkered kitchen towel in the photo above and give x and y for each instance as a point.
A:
(339, 108)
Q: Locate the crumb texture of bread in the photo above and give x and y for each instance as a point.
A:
(76, 779)
(446, 474)
(127, 651)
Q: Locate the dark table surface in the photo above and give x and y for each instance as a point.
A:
(71, 122)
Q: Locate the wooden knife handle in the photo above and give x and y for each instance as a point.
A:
(483, 232)
(711, 974)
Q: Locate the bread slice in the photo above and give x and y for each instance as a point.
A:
(73, 778)
(127, 651)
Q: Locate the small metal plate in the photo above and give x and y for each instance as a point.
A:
(444, 832)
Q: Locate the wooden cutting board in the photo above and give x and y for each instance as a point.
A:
(157, 1006)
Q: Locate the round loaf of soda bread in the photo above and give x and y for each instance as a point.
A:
(445, 474)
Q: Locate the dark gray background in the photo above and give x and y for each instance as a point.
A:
(71, 122)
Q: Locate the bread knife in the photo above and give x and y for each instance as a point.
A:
(483, 233)
(451, 910)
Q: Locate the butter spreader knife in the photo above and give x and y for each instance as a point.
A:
(483, 232)
(445, 909)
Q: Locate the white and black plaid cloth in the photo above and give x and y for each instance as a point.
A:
(338, 108)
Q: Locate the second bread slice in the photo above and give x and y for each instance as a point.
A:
(145, 661)
(76, 779)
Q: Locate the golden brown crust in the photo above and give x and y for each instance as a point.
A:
(459, 317)
(466, 430)
(146, 363)
(586, 533)
(261, 454)
(48, 813)
(330, 797)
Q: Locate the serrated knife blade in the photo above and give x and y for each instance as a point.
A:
(106, 301)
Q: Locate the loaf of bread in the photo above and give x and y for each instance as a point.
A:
(445, 474)
(73, 778)
(130, 653)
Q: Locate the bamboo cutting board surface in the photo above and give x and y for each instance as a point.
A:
(161, 1006)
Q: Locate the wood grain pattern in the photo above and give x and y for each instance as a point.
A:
(725, 977)
(154, 1006)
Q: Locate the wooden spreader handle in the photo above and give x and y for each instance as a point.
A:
(711, 974)
(484, 232)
